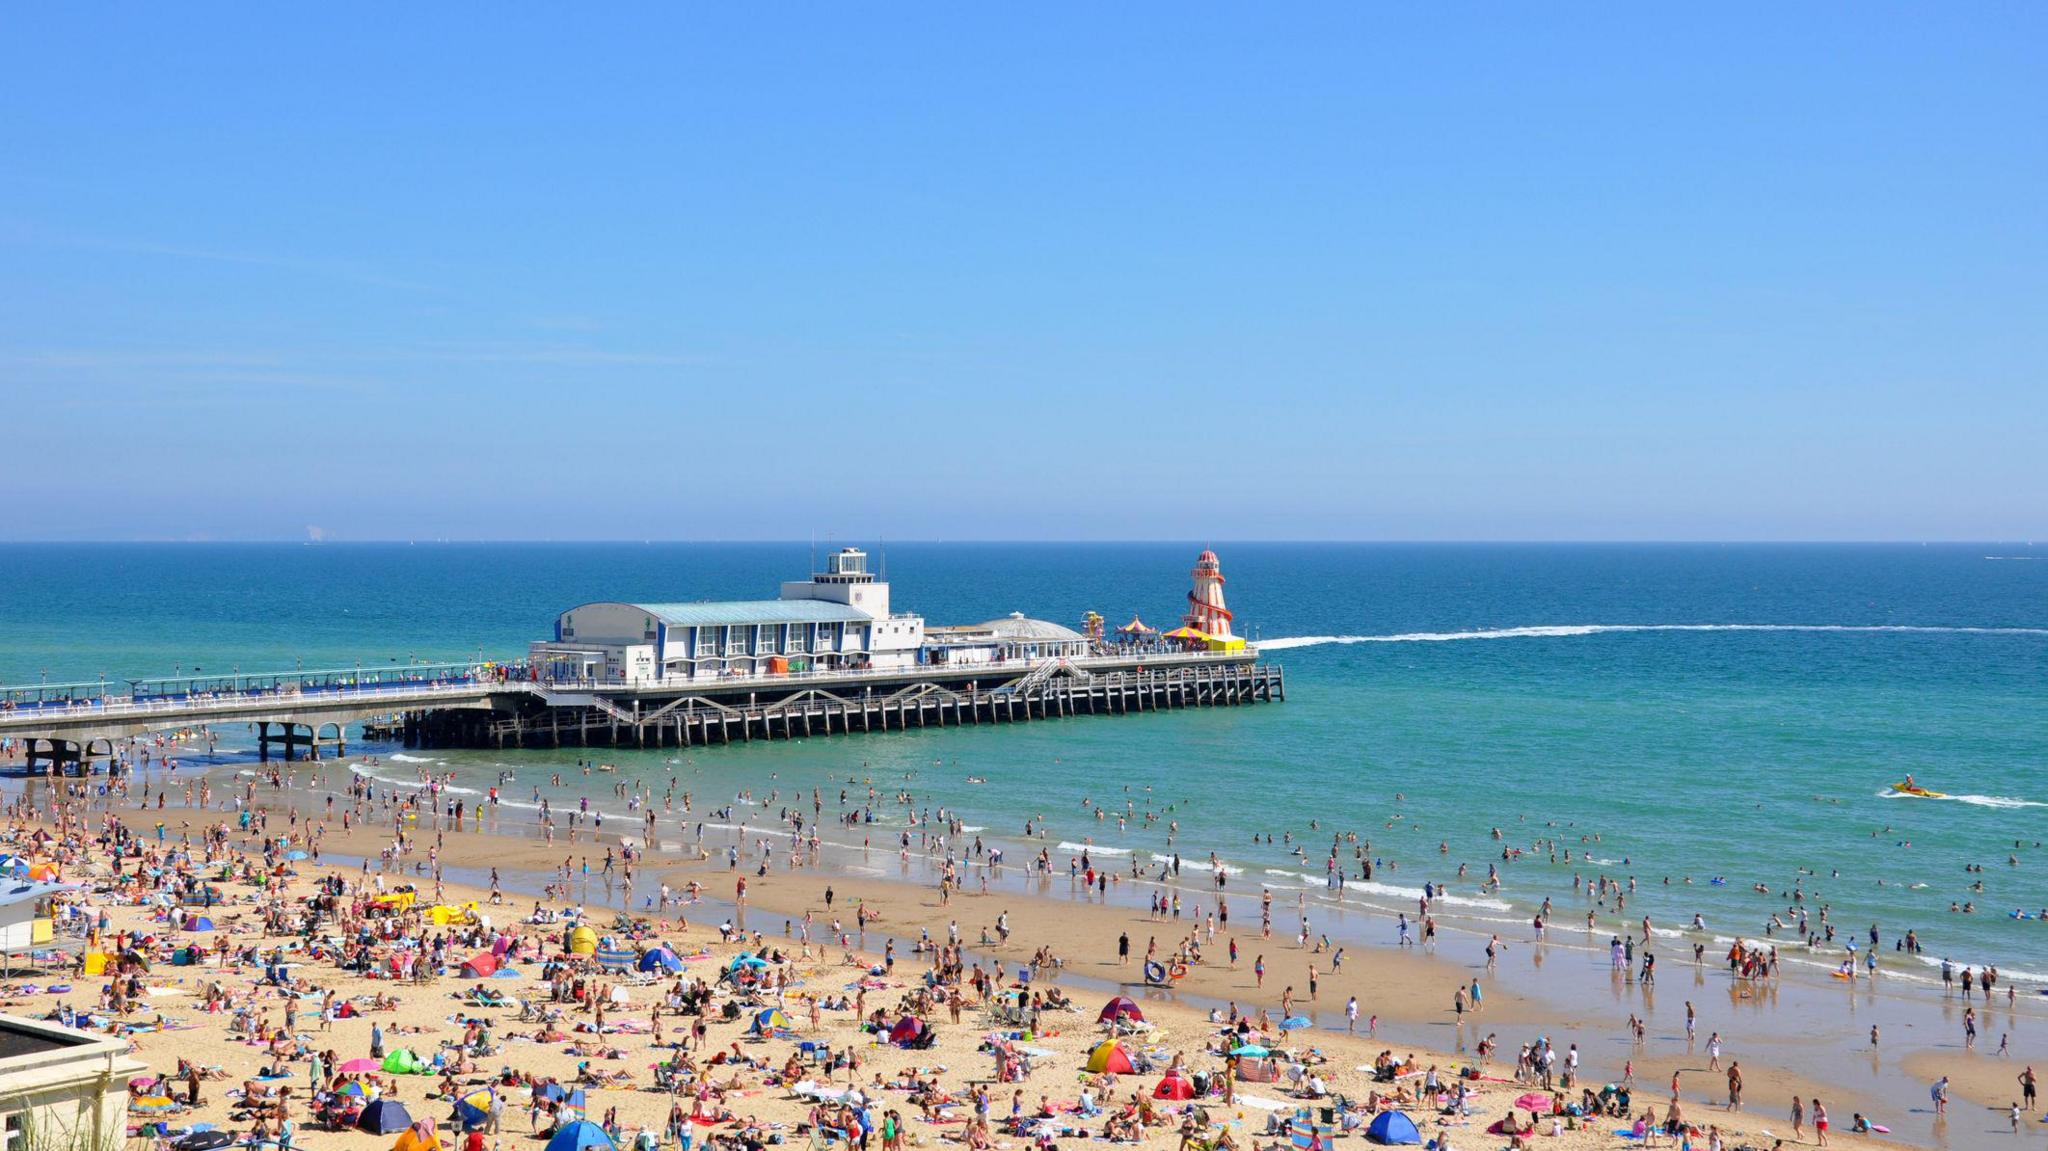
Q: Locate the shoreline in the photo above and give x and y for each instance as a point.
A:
(1534, 989)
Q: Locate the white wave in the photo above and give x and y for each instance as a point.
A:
(1092, 849)
(970, 828)
(1373, 887)
(1559, 631)
(403, 758)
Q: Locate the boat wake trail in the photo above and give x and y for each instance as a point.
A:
(1559, 631)
(2003, 802)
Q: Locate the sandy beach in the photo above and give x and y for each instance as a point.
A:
(1417, 1002)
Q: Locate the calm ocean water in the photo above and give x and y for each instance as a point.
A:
(1707, 711)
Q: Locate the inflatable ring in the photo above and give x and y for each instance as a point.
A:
(1155, 972)
(1177, 971)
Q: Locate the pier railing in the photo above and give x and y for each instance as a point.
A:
(997, 669)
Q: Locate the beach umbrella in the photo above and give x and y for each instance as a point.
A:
(1294, 1022)
(473, 1109)
(1251, 1050)
(748, 961)
(294, 856)
(581, 1135)
(1391, 1127)
(1534, 1101)
(352, 1088)
(383, 1117)
(506, 973)
(907, 1030)
(1120, 1008)
(1110, 1057)
(359, 1066)
(151, 1103)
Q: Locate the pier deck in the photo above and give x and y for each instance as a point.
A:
(475, 709)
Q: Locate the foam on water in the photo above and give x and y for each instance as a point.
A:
(401, 757)
(1560, 631)
(1093, 849)
(2001, 802)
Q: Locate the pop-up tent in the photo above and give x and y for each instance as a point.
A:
(581, 941)
(473, 1109)
(660, 959)
(482, 965)
(1110, 1057)
(1393, 1127)
(383, 1117)
(199, 923)
(769, 1021)
(404, 1062)
(418, 1137)
(582, 1135)
(1122, 1009)
(1174, 1086)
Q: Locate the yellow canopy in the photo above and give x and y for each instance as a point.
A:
(583, 941)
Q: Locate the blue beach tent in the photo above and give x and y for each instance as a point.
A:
(582, 1135)
(1390, 1127)
(660, 959)
(199, 923)
(383, 1117)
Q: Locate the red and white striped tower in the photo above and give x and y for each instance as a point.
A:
(1205, 603)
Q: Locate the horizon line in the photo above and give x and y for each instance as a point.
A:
(1447, 541)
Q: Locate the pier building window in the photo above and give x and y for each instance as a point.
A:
(736, 640)
(799, 637)
(710, 640)
(828, 636)
(771, 638)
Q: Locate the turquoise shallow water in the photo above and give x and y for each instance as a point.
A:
(1706, 711)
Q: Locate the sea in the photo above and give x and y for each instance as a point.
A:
(1693, 720)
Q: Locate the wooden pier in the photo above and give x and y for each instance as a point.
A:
(711, 715)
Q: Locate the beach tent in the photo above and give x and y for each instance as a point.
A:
(770, 1020)
(550, 1090)
(506, 972)
(1174, 1086)
(46, 872)
(581, 1135)
(581, 941)
(1110, 1057)
(906, 1031)
(1393, 1127)
(404, 1062)
(612, 959)
(473, 1109)
(1120, 1008)
(199, 923)
(480, 966)
(660, 959)
(413, 1139)
(747, 961)
(383, 1117)
(574, 1104)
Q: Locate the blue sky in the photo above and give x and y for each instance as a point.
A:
(953, 271)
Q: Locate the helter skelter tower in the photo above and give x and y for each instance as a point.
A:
(1205, 602)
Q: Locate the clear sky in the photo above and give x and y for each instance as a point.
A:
(1024, 271)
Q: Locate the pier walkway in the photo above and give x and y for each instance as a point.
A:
(69, 727)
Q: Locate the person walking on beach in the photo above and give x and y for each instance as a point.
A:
(1123, 949)
(2027, 1086)
(1798, 1118)
(1735, 1085)
(1351, 1015)
(1820, 1123)
(1259, 971)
